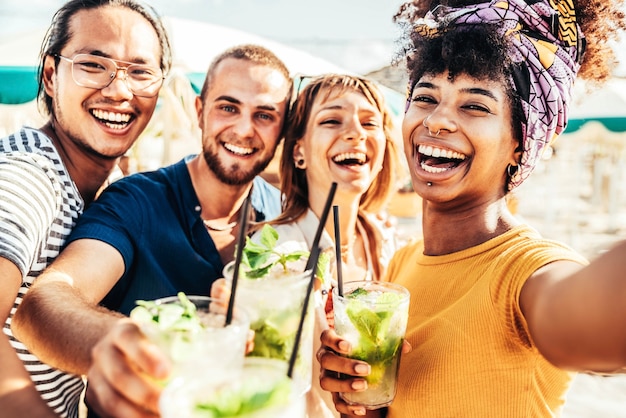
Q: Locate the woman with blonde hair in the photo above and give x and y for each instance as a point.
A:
(339, 130)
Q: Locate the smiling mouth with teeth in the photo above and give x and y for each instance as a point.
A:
(350, 158)
(238, 150)
(114, 120)
(438, 160)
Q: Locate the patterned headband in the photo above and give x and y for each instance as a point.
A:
(547, 45)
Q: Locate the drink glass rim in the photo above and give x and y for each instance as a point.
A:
(241, 317)
(351, 285)
(288, 280)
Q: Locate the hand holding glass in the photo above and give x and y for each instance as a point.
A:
(191, 331)
(373, 316)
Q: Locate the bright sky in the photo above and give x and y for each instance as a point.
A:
(294, 22)
(357, 35)
(282, 20)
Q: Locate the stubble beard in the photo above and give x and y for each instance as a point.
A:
(234, 175)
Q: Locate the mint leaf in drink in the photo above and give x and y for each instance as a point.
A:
(259, 273)
(269, 236)
(275, 336)
(366, 321)
(180, 316)
(260, 258)
(255, 256)
(371, 313)
(269, 343)
(356, 293)
(172, 326)
(376, 345)
(252, 395)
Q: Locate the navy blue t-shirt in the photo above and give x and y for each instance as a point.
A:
(153, 220)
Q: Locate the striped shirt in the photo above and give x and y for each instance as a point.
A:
(39, 205)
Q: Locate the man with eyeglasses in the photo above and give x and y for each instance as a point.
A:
(101, 68)
(98, 72)
(151, 235)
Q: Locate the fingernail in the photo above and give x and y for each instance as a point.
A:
(358, 411)
(359, 384)
(362, 368)
(344, 346)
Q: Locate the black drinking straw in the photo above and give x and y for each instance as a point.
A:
(320, 228)
(241, 242)
(315, 252)
(338, 251)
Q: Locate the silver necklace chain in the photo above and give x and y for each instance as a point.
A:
(219, 228)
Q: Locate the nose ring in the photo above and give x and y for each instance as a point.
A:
(427, 127)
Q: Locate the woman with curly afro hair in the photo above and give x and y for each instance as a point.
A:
(499, 317)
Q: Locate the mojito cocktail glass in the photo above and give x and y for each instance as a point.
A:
(191, 331)
(261, 389)
(372, 316)
(274, 306)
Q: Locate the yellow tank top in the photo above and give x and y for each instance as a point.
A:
(472, 354)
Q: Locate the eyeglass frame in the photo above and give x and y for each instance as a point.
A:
(113, 76)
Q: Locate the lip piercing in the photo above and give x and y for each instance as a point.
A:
(429, 131)
(429, 184)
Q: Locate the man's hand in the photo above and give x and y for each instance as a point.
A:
(125, 377)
